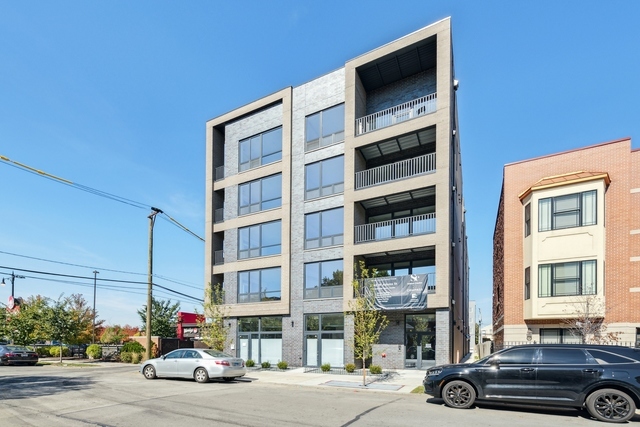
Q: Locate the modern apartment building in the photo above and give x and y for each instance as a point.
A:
(567, 242)
(359, 165)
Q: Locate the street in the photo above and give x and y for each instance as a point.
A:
(117, 395)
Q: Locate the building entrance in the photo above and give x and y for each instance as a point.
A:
(420, 340)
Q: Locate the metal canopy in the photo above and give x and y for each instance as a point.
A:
(398, 198)
(400, 143)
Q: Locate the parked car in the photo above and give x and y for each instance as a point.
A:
(199, 364)
(605, 379)
(17, 355)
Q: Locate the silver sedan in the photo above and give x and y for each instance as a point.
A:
(199, 364)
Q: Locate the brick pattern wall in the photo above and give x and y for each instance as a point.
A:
(405, 90)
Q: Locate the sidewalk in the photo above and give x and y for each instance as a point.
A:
(400, 381)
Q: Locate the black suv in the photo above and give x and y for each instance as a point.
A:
(604, 378)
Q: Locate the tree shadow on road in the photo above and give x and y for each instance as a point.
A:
(13, 387)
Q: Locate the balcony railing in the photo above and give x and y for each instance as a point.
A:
(219, 173)
(218, 258)
(396, 171)
(218, 215)
(396, 114)
(396, 228)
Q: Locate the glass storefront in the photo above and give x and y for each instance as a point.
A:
(260, 339)
(324, 339)
(420, 339)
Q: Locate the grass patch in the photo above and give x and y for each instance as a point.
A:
(419, 389)
(64, 364)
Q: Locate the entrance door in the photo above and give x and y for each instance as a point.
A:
(420, 340)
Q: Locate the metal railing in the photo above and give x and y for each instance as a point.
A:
(397, 114)
(219, 173)
(218, 257)
(218, 215)
(396, 171)
(396, 228)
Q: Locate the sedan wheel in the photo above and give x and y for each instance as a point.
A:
(201, 375)
(611, 405)
(458, 394)
(149, 372)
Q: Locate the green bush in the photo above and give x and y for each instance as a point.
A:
(350, 367)
(283, 365)
(375, 369)
(266, 365)
(43, 351)
(54, 351)
(250, 363)
(126, 356)
(326, 367)
(132, 347)
(94, 351)
(136, 357)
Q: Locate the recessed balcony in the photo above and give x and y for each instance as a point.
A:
(396, 228)
(397, 114)
(396, 171)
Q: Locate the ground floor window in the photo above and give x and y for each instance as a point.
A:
(558, 336)
(324, 339)
(420, 337)
(260, 339)
(638, 337)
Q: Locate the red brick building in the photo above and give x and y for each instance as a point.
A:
(567, 239)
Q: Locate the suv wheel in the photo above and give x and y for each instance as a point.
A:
(458, 394)
(611, 405)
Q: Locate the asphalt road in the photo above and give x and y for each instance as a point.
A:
(117, 395)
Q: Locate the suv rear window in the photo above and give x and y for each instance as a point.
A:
(562, 356)
(604, 357)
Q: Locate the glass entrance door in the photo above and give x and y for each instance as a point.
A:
(420, 340)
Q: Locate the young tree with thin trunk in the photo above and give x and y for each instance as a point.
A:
(587, 321)
(212, 325)
(368, 322)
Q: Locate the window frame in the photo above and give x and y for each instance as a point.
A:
(319, 142)
(258, 161)
(335, 239)
(527, 283)
(330, 291)
(260, 248)
(549, 211)
(527, 220)
(250, 297)
(555, 282)
(261, 201)
(336, 188)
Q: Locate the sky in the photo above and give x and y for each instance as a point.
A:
(114, 96)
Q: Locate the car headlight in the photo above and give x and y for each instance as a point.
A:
(433, 372)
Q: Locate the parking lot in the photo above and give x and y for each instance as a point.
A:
(117, 395)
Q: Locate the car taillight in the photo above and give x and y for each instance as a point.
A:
(222, 362)
(10, 354)
(243, 363)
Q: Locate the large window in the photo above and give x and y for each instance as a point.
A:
(324, 128)
(567, 278)
(259, 240)
(323, 279)
(324, 178)
(261, 149)
(324, 339)
(325, 228)
(259, 285)
(571, 210)
(558, 336)
(260, 338)
(260, 195)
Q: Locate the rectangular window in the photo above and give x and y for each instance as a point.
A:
(567, 211)
(527, 220)
(259, 285)
(567, 278)
(558, 336)
(260, 195)
(259, 240)
(324, 128)
(324, 178)
(324, 228)
(261, 149)
(527, 283)
(323, 279)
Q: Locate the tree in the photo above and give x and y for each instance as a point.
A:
(83, 316)
(213, 325)
(26, 324)
(113, 335)
(368, 322)
(587, 321)
(164, 318)
(62, 323)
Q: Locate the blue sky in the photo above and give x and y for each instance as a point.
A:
(115, 96)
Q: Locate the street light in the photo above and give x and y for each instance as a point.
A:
(13, 278)
(93, 335)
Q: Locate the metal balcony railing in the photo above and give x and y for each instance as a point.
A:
(397, 114)
(396, 171)
(219, 173)
(218, 215)
(396, 228)
(218, 258)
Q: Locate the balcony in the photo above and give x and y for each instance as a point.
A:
(396, 228)
(397, 114)
(219, 173)
(218, 215)
(218, 258)
(396, 171)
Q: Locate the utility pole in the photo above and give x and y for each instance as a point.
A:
(93, 336)
(152, 220)
(13, 279)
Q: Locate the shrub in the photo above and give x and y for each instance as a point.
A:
(43, 351)
(326, 367)
(55, 351)
(375, 369)
(94, 351)
(266, 365)
(250, 363)
(283, 365)
(350, 367)
(126, 356)
(133, 347)
(136, 357)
